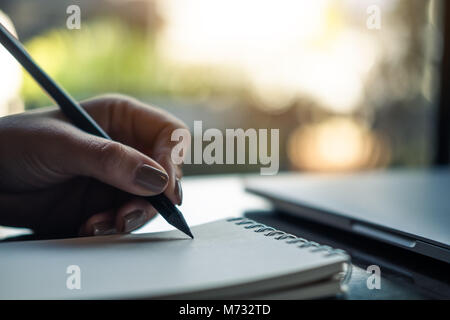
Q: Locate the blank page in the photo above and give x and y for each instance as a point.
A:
(224, 260)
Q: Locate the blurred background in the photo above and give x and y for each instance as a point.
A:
(345, 97)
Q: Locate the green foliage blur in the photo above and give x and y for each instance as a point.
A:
(108, 55)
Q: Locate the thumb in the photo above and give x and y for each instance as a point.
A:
(118, 165)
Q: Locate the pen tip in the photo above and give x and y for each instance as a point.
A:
(187, 231)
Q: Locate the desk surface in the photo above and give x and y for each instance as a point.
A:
(404, 275)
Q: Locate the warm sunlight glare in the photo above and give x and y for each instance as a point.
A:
(283, 49)
(338, 144)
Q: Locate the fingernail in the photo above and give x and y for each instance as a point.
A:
(134, 220)
(104, 228)
(151, 178)
(178, 191)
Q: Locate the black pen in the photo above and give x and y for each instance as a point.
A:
(82, 120)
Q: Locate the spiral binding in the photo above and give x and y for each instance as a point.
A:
(291, 239)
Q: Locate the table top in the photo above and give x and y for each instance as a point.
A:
(404, 275)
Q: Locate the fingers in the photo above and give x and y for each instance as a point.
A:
(99, 224)
(130, 121)
(173, 190)
(134, 215)
(162, 153)
(115, 164)
(125, 219)
(148, 130)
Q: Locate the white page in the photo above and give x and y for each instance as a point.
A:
(158, 264)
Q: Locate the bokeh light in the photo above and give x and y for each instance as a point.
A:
(362, 98)
(337, 144)
(10, 75)
(284, 49)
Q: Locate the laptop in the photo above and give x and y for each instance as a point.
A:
(405, 208)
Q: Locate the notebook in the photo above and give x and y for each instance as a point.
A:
(233, 258)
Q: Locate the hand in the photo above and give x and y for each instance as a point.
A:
(61, 181)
